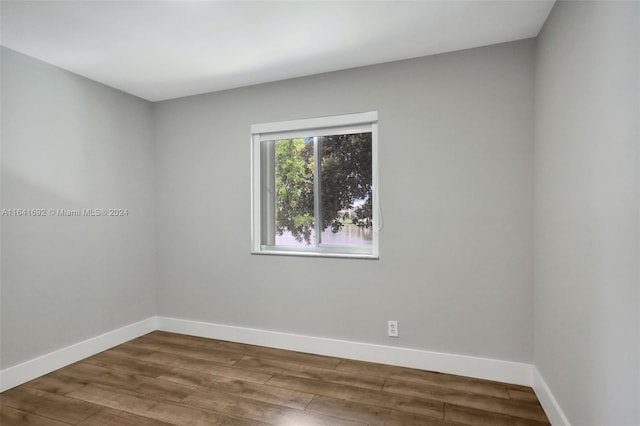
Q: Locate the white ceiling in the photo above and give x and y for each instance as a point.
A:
(166, 49)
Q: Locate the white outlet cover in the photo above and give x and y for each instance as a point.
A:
(392, 328)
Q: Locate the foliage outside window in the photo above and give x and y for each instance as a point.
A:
(313, 187)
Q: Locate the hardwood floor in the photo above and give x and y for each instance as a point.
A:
(171, 379)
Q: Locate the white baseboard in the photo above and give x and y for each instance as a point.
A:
(551, 407)
(29, 370)
(483, 368)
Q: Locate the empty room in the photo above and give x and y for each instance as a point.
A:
(320, 213)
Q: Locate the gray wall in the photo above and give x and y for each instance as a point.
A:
(456, 141)
(68, 142)
(587, 336)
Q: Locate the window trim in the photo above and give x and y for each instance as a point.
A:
(321, 126)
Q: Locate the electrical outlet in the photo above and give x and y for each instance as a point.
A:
(392, 328)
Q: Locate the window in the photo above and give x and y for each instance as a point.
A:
(314, 186)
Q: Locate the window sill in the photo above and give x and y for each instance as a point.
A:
(315, 253)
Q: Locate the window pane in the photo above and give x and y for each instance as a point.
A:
(346, 188)
(294, 173)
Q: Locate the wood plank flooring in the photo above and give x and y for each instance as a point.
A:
(171, 379)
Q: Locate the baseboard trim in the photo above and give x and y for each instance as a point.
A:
(464, 365)
(483, 368)
(29, 370)
(549, 404)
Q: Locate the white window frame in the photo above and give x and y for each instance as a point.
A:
(322, 126)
